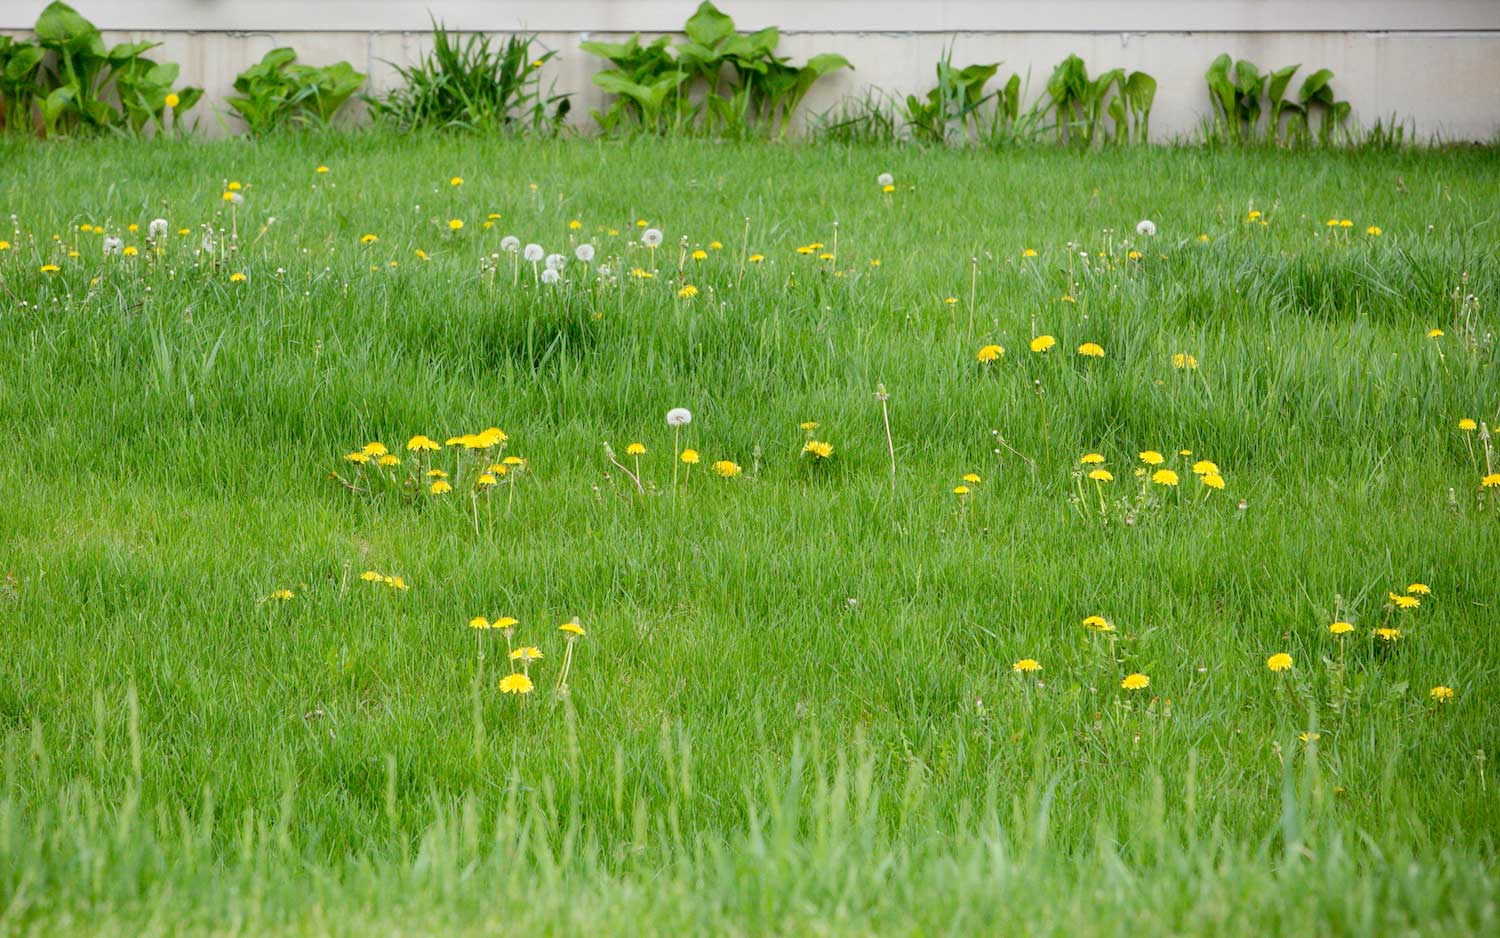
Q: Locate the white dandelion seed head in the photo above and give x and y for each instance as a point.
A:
(679, 417)
(157, 229)
(533, 253)
(550, 276)
(1146, 227)
(556, 261)
(885, 179)
(113, 245)
(584, 252)
(651, 237)
(237, 198)
(604, 270)
(510, 243)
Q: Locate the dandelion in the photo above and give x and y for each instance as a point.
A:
(388, 460)
(1164, 477)
(687, 292)
(635, 449)
(960, 490)
(113, 245)
(651, 237)
(1388, 634)
(1403, 602)
(1042, 343)
(533, 253)
(1281, 661)
(1090, 459)
(1026, 666)
(1434, 333)
(237, 277)
(756, 258)
(321, 170)
(971, 477)
(1441, 693)
(1091, 350)
(1419, 589)
(510, 244)
(440, 487)
(885, 179)
(357, 457)
(990, 353)
(1341, 628)
(1490, 481)
(1467, 425)
(1098, 624)
(584, 252)
(1135, 681)
(479, 622)
(818, 449)
(1374, 231)
(1204, 467)
(516, 683)
(1146, 228)
(1308, 737)
(571, 628)
(808, 425)
(727, 469)
(486, 480)
(1029, 252)
(394, 582)
(526, 654)
(1152, 458)
(421, 444)
(368, 239)
(550, 277)
(456, 181)
(281, 595)
(371, 576)
(1212, 480)
(1101, 475)
(689, 457)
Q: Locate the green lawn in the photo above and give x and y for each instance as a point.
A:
(795, 708)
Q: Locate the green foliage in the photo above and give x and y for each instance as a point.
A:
(1239, 92)
(950, 110)
(472, 85)
(717, 82)
(67, 77)
(1078, 104)
(277, 93)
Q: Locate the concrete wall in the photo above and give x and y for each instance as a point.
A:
(1434, 63)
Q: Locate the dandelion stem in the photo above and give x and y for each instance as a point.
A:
(885, 416)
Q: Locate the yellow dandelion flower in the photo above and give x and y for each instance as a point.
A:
(1388, 634)
(504, 623)
(517, 683)
(1098, 624)
(1441, 693)
(818, 449)
(1091, 459)
(1467, 425)
(1434, 333)
(726, 468)
(526, 653)
(389, 459)
(455, 224)
(375, 449)
(321, 170)
(1490, 481)
(357, 457)
(1281, 661)
(575, 225)
(394, 582)
(1341, 628)
(479, 622)
(1151, 457)
(1213, 480)
(972, 478)
(1204, 467)
(1029, 252)
(370, 576)
(1374, 231)
(1182, 360)
(689, 456)
(699, 255)
(437, 474)
(281, 595)
(756, 258)
(456, 181)
(1404, 602)
(440, 487)
(687, 292)
(635, 449)
(1091, 350)
(368, 239)
(1135, 682)
(808, 425)
(1419, 589)
(1102, 475)
(236, 277)
(1026, 666)
(1042, 343)
(990, 353)
(960, 490)
(420, 443)
(571, 628)
(1164, 477)
(485, 480)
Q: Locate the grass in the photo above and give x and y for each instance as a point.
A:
(794, 710)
